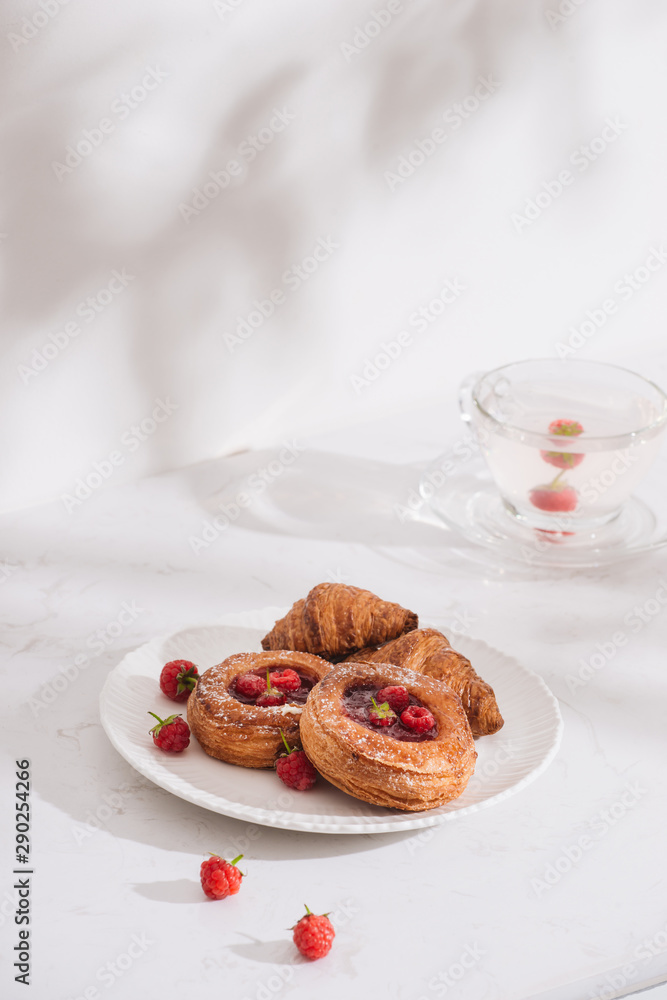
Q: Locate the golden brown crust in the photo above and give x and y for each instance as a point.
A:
(336, 619)
(248, 735)
(371, 765)
(428, 652)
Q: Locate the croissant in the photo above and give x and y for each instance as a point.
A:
(336, 619)
(427, 651)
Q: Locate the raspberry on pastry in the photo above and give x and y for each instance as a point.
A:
(286, 680)
(250, 685)
(402, 766)
(396, 697)
(428, 651)
(242, 728)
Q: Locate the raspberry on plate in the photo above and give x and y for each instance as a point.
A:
(286, 680)
(220, 878)
(381, 715)
(313, 935)
(250, 685)
(171, 734)
(294, 768)
(419, 719)
(178, 679)
(396, 696)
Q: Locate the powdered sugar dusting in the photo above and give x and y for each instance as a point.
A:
(212, 687)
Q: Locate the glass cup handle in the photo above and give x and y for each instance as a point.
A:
(465, 396)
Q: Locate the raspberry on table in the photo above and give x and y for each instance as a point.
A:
(286, 680)
(220, 878)
(396, 696)
(294, 768)
(313, 935)
(171, 734)
(418, 718)
(178, 679)
(250, 685)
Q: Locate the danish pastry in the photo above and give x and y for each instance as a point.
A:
(418, 759)
(428, 652)
(336, 619)
(237, 717)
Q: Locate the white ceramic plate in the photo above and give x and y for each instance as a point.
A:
(506, 763)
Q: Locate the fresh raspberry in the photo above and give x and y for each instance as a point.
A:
(295, 769)
(286, 680)
(381, 715)
(397, 697)
(272, 696)
(220, 878)
(566, 428)
(564, 459)
(553, 499)
(313, 935)
(171, 734)
(178, 678)
(250, 685)
(419, 719)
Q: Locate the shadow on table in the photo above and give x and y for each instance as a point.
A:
(110, 800)
(317, 494)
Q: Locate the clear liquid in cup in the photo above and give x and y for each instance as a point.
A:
(567, 481)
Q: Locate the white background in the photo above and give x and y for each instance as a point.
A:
(356, 113)
(66, 573)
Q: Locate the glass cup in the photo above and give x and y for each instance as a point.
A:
(566, 441)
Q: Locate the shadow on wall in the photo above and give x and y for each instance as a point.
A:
(193, 273)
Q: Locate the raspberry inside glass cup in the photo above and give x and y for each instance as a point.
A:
(566, 441)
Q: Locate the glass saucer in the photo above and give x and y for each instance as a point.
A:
(468, 502)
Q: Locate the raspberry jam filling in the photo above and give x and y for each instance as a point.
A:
(297, 697)
(358, 704)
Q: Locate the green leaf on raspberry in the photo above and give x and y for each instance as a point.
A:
(187, 680)
(162, 722)
(565, 428)
(383, 711)
(234, 862)
(287, 746)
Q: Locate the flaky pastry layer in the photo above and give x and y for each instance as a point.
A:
(336, 619)
(373, 766)
(427, 651)
(243, 734)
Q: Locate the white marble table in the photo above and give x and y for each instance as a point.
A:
(558, 892)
